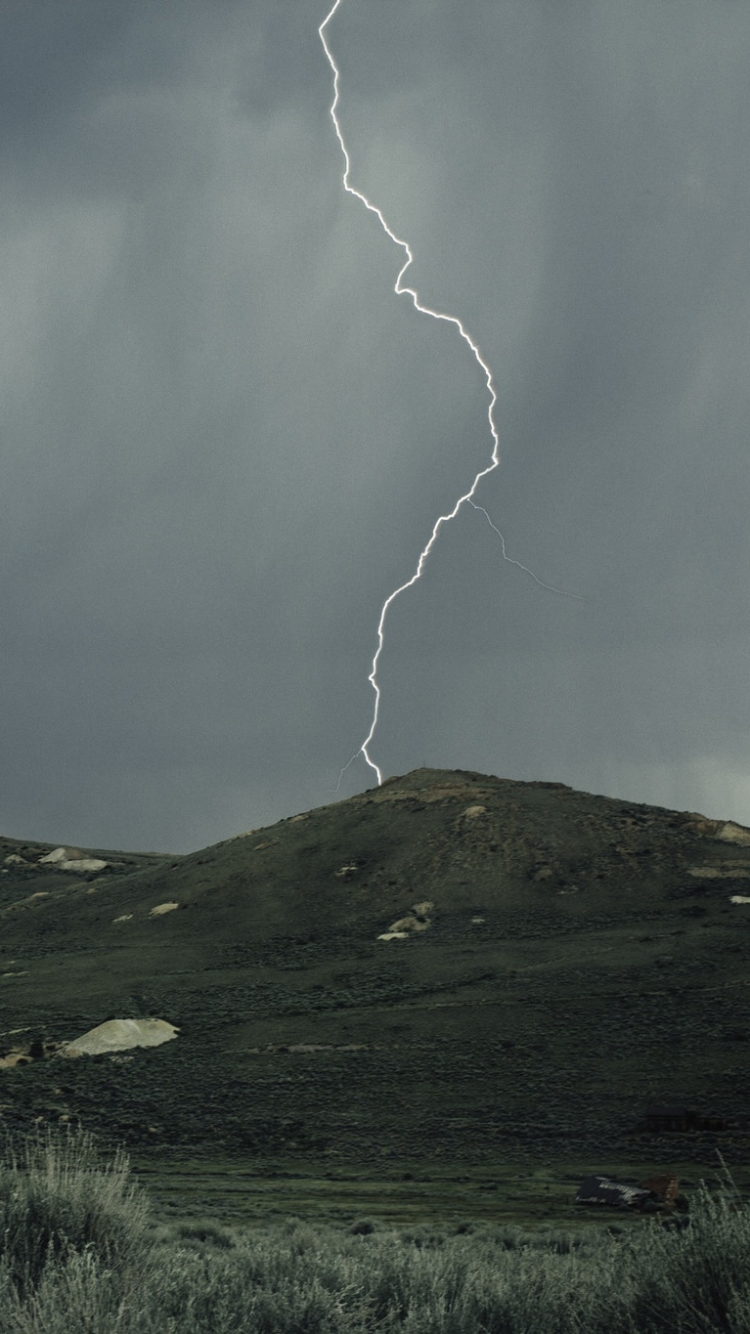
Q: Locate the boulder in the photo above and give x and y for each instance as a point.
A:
(729, 832)
(70, 859)
(121, 1035)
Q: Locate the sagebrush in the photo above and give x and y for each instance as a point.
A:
(81, 1255)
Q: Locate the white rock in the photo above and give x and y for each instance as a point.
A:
(408, 923)
(68, 859)
(59, 855)
(733, 833)
(120, 1035)
(161, 908)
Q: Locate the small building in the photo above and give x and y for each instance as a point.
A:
(670, 1120)
(665, 1186)
(681, 1120)
(615, 1194)
(714, 1123)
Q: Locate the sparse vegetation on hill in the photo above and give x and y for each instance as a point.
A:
(78, 1258)
(577, 959)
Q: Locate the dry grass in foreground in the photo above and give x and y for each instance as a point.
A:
(80, 1255)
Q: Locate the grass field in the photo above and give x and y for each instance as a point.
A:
(84, 1253)
(529, 1196)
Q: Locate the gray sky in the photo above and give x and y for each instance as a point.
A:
(224, 440)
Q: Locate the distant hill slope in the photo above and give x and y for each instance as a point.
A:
(557, 961)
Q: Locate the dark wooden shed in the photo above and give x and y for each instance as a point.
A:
(713, 1122)
(674, 1119)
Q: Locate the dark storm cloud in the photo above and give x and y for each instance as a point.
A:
(591, 232)
(225, 441)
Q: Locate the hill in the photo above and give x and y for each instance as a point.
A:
(556, 963)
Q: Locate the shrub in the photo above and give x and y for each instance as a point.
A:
(77, 1260)
(690, 1278)
(206, 1233)
(77, 1295)
(58, 1198)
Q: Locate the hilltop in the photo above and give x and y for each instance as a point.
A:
(556, 962)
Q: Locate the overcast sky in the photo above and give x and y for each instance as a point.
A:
(224, 440)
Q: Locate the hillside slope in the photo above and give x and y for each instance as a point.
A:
(566, 960)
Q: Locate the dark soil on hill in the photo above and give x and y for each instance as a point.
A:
(581, 960)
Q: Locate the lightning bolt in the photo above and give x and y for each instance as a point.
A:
(468, 496)
(550, 587)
